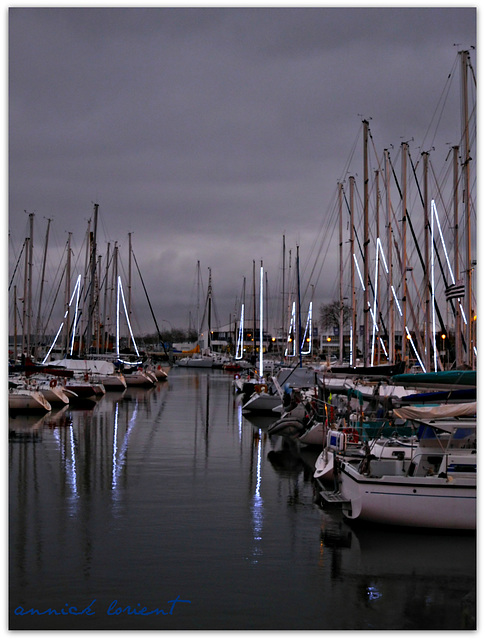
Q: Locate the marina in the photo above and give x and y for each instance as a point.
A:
(173, 492)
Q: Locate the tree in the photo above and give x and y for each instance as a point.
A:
(330, 314)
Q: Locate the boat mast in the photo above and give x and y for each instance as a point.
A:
(67, 297)
(261, 320)
(37, 330)
(391, 345)
(105, 301)
(25, 296)
(428, 338)
(84, 289)
(341, 265)
(92, 289)
(299, 302)
(129, 285)
(404, 149)
(377, 293)
(29, 288)
(284, 306)
(254, 308)
(209, 309)
(199, 328)
(458, 329)
(466, 188)
(15, 323)
(98, 305)
(366, 246)
(353, 322)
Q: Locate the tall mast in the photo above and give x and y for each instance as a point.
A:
(299, 302)
(25, 297)
(129, 285)
(209, 309)
(261, 320)
(105, 302)
(92, 288)
(82, 322)
(353, 322)
(366, 246)
(404, 148)
(266, 298)
(198, 301)
(254, 308)
(29, 289)
(428, 338)
(38, 327)
(458, 335)
(341, 265)
(466, 188)
(98, 305)
(284, 302)
(391, 346)
(377, 293)
(15, 323)
(67, 297)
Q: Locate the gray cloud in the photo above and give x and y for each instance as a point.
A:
(208, 133)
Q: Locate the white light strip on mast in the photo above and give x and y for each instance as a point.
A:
(396, 300)
(120, 290)
(351, 353)
(358, 271)
(74, 326)
(384, 347)
(435, 355)
(308, 331)
(375, 305)
(379, 244)
(434, 213)
(76, 288)
(292, 327)
(240, 337)
(261, 368)
(415, 351)
(53, 343)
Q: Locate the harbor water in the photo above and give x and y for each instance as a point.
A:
(168, 509)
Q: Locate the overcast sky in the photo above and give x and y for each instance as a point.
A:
(209, 133)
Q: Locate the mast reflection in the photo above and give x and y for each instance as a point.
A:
(257, 505)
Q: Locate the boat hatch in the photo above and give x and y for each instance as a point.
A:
(336, 441)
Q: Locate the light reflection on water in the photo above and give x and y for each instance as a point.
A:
(173, 491)
(257, 506)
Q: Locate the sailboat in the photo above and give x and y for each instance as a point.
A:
(204, 358)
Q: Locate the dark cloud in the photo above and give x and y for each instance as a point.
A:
(209, 133)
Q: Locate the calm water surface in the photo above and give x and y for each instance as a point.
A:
(170, 502)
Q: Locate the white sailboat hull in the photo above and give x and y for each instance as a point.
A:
(262, 403)
(431, 502)
(26, 400)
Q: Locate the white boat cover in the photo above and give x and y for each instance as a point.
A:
(436, 412)
(86, 366)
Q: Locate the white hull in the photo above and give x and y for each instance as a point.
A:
(429, 501)
(160, 374)
(262, 403)
(314, 435)
(26, 400)
(139, 379)
(54, 395)
(111, 382)
(201, 363)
